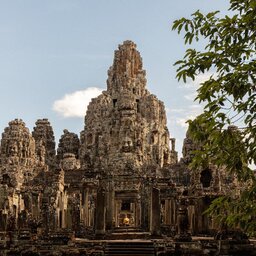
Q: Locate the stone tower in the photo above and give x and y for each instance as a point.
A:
(18, 157)
(125, 125)
(68, 151)
(45, 141)
(121, 179)
(69, 143)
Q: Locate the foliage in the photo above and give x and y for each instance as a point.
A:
(229, 95)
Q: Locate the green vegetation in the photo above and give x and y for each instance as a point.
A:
(229, 97)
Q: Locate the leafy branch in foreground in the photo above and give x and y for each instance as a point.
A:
(229, 97)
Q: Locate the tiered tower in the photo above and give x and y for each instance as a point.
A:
(125, 125)
(18, 158)
(68, 151)
(45, 141)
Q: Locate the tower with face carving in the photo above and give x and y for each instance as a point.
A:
(121, 174)
(125, 125)
(18, 156)
(126, 141)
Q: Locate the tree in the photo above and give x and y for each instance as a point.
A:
(229, 98)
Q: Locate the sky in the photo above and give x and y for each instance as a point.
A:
(54, 57)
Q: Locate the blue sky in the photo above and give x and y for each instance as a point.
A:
(53, 48)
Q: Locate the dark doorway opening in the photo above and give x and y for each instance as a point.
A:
(126, 206)
(206, 178)
(114, 102)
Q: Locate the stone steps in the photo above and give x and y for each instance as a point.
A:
(124, 233)
(123, 248)
(128, 235)
(126, 229)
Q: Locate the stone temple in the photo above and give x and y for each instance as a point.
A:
(116, 189)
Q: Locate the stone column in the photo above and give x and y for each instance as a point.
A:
(167, 212)
(183, 223)
(117, 211)
(155, 220)
(173, 211)
(45, 214)
(145, 208)
(137, 213)
(3, 220)
(35, 206)
(100, 213)
(192, 221)
(86, 210)
(199, 216)
(69, 216)
(110, 207)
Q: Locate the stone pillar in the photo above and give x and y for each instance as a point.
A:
(199, 211)
(145, 208)
(35, 206)
(191, 217)
(100, 213)
(132, 220)
(69, 216)
(155, 220)
(110, 207)
(86, 210)
(117, 210)
(167, 212)
(182, 223)
(83, 206)
(2, 221)
(173, 211)
(45, 215)
(137, 213)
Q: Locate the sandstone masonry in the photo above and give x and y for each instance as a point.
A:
(122, 174)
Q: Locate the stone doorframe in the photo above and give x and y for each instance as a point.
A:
(133, 213)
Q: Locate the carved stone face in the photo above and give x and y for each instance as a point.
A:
(127, 145)
(126, 102)
(69, 162)
(13, 149)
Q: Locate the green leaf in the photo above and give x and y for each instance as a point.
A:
(228, 98)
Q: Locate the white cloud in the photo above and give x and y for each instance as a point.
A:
(188, 114)
(177, 110)
(75, 104)
(190, 96)
(202, 78)
(198, 80)
(181, 122)
(196, 107)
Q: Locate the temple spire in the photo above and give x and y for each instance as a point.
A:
(126, 73)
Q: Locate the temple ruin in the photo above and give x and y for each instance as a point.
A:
(119, 179)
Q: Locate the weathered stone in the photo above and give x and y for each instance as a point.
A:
(205, 184)
(18, 157)
(69, 143)
(121, 179)
(45, 141)
(183, 223)
(125, 124)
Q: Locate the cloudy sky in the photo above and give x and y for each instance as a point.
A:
(54, 56)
